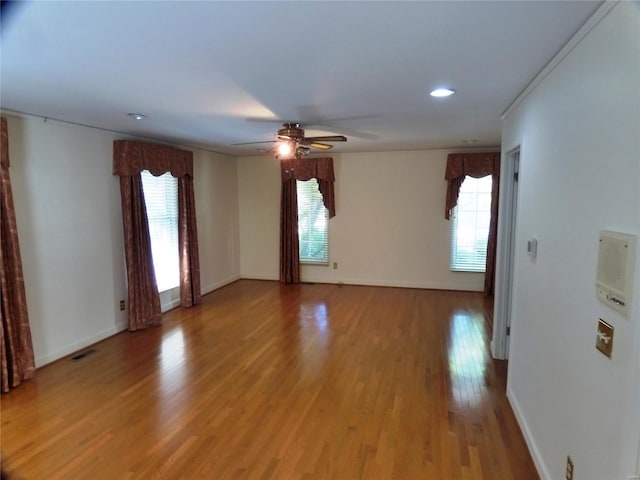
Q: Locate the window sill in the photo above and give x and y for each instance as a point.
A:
(309, 262)
(169, 289)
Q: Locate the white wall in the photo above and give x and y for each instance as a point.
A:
(216, 190)
(70, 228)
(579, 134)
(389, 227)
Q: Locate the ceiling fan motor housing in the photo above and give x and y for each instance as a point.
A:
(292, 131)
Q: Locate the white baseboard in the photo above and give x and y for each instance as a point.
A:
(165, 307)
(259, 277)
(80, 344)
(375, 283)
(526, 432)
(214, 286)
(170, 304)
(397, 284)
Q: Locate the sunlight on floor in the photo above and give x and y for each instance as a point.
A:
(172, 362)
(315, 332)
(467, 358)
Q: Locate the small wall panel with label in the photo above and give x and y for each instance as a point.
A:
(616, 261)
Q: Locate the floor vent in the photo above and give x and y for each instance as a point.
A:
(81, 355)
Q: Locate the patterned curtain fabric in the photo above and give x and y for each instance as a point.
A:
(129, 159)
(476, 165)
(16, 349)
(490, 272)
(459, 165)
(132, 157)
(144, 301)
(293, 170)
(307, 168)
(289, 243)
(188, 244)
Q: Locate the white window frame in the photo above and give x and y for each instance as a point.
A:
(469, 254)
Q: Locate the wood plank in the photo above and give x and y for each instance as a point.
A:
(268, 381)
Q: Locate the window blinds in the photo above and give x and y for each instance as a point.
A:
(313, 220)
(161, 200)
(470, 225)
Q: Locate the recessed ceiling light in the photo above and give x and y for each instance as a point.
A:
(442, 92)
(137, 116)
(469, 142)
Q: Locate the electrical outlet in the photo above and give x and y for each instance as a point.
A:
(604, 338)
(569, 472)
(121, 305)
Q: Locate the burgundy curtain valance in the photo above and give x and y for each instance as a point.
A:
(131, 157)
(459, 165)
(476, 165)
(307, 168)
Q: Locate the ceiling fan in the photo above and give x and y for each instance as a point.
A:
(291, 140)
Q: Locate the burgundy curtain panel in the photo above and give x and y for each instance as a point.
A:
(188, 244)
(16, 349)
(129, 159)
(144, 301)
(292, 170)
(476, 165)
(289, 244)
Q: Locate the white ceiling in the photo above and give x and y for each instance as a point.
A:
(211, 74)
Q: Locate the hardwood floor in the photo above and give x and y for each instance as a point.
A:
(266, 381)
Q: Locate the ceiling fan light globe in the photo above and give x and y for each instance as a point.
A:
(302, 151)
(285, 149)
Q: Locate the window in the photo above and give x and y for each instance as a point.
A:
(161, 200)
(313, 220)
(470, 225)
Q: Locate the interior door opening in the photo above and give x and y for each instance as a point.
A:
(506, 256)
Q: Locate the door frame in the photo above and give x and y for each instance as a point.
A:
(505, 258)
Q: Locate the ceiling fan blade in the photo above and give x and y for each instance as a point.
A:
(320, 146)
(327, 138)
(254, 143)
